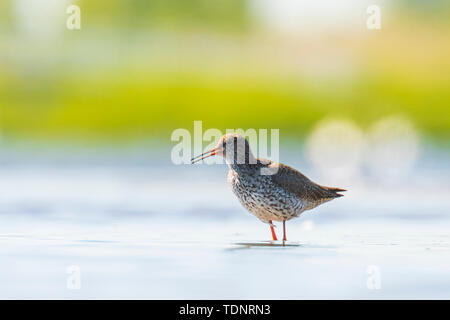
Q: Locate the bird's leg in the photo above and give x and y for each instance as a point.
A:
(284, 231)
(274, 236)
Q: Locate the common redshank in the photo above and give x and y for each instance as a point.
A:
(269, 190)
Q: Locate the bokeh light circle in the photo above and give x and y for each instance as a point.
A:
(335, 147)
(393, 147)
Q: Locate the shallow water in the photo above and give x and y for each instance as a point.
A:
(158, 231)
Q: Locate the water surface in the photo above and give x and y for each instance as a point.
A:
(157, 231)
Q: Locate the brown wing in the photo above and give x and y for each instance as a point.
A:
(298, 184)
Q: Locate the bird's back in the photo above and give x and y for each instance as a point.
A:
(311, 193)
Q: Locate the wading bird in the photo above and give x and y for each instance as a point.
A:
(269, 190)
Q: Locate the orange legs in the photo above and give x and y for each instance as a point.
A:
(274, 236)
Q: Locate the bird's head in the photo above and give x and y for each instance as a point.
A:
(233, 147)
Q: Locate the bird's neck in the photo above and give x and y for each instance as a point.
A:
(248, 168)
(244, 157)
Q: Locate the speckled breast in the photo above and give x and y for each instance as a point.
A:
(264, 199)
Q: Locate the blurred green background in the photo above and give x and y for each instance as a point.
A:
(138, 69)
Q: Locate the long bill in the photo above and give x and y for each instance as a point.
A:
(204, 155)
